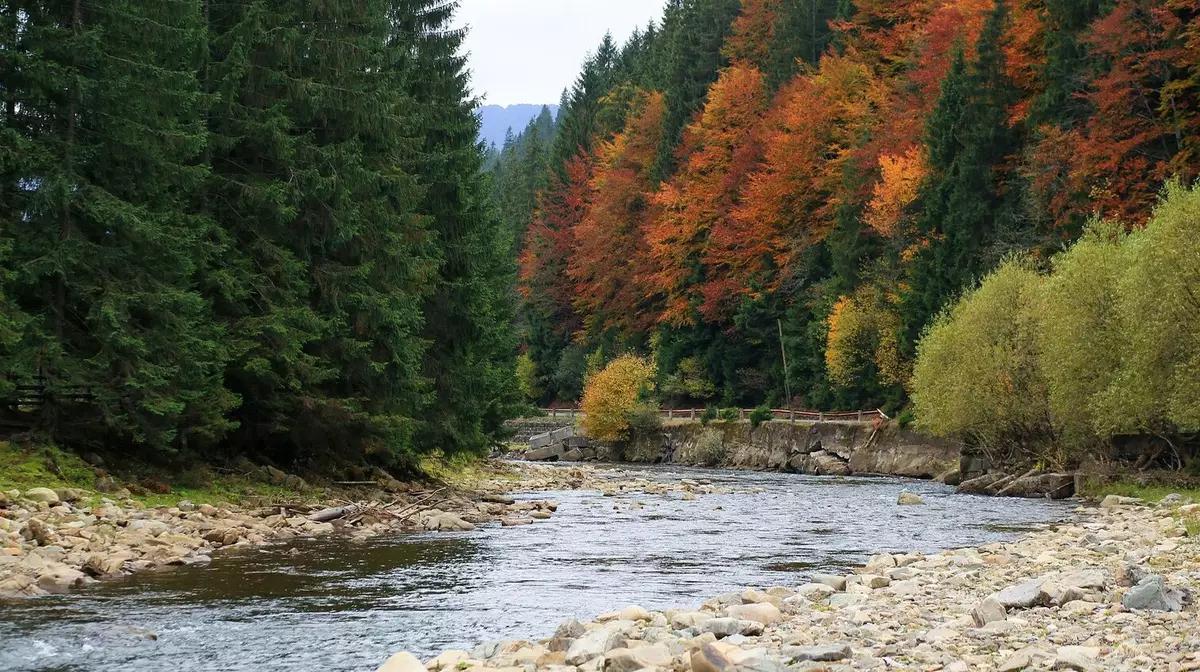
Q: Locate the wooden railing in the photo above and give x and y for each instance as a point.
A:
(33, 396)
(788, 414)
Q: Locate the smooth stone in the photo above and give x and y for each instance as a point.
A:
(727, 627)
(823, 654)
(634, 613)
(763, 612)
(988, 611)
(402, 662)
(1022, 595)
(834, 581)
(1022, 659)
(630, 660)
(1076, 658)
(41, 495)
(909, 498)
(447, 659)
(597, 642)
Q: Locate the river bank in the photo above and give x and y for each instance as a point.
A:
(53, 540)
(1110, 589)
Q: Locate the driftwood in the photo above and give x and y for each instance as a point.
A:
(335, 512)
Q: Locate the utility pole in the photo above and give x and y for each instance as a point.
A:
(787, 386)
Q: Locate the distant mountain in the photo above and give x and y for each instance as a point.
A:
(496, 120)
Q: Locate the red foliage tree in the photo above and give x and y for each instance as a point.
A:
(720, 148)
(610, 250)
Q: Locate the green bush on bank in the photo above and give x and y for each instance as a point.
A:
(1047, 367)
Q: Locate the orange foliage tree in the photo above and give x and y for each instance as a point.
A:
(543, 281)
(610, 251)
(721, 148)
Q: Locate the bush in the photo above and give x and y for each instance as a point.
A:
(709, 414)
(906, 418)
(612, 394)
(760, 415)
(862, 340)
(644, 419)
(976, 376)
(731, 414)
(710, 448)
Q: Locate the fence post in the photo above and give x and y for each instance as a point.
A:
(572, 412)
(792, 415)
(741, 414)
(670, 414)
(821, 416)
(860, 416)
(693, 414)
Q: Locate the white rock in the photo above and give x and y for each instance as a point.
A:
(402, 662)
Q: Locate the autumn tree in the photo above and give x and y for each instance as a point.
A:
(722, 149)
(610, 255)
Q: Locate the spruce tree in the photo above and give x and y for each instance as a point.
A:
(108, 134)
(328, 260)
(964, 201)
(468, 315)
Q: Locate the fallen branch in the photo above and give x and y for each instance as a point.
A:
(333, 513)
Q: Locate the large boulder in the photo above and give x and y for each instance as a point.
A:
(546, 454)
(909, 498)
(41, 495)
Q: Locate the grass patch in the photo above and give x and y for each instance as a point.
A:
(46, 466)
(42, 466)
(1152, 492)
(1192, 525)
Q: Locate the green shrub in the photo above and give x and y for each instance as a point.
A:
(710, 448)
(976, 376)
(760, 415)
(644, 419)
(731, 414)
(527, 378)
(906, 418)
(709, 414)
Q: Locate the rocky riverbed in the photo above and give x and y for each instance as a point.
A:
(54, 540)
(1111, 589)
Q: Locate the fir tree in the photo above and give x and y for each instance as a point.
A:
(968, 136)
(468, 315)
(108, 133)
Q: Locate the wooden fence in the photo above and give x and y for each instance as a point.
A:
(788, 414)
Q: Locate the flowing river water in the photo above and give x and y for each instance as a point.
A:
(330, 604)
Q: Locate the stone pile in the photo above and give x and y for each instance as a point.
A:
(1111, 590)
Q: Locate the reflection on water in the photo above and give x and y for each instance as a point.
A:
(332, 604)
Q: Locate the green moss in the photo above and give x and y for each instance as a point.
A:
(42, 466)
(50, 467)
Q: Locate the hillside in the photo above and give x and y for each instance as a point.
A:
(495, 120)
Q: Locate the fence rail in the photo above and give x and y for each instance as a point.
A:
(33, 396)
(789, 414)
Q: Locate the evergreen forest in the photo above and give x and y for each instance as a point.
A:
(260, 227)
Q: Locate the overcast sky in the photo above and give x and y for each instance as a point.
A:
(528, 51)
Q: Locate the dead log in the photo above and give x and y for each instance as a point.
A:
(335, 512)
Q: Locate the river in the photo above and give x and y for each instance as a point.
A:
(329, 604)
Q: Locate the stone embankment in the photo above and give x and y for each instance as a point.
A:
(1110, 590)
(52, 541)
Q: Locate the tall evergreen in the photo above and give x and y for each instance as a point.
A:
(577, 116)
(104, 131)
(328, 261)
(693, 33)
(802, 33)
(469, 312)
(964, 201)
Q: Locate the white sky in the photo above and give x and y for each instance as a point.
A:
(528, 51)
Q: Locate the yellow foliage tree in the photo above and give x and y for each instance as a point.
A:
(612, 393)
(862, 333)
